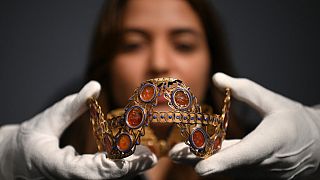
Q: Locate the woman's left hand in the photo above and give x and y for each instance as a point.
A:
(285, 144)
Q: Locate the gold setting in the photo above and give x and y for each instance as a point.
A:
(121, 131)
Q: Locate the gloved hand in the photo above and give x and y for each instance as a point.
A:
(31, 150)
(284, 145)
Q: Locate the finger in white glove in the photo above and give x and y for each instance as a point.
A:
(32, 149)
(181, 153)
(284, 145)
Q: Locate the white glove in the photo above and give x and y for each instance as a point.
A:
(284, 145)
(31, 150)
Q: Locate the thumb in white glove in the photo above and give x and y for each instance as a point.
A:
(31, 150)
(284, 145)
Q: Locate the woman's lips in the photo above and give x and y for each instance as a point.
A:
(161, 99)
(162, 104)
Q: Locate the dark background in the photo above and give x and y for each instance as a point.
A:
(44, 48)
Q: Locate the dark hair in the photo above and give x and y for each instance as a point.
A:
(105, 47)
(107, 40)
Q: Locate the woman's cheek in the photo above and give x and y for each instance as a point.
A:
(195, 72)
(127, 75)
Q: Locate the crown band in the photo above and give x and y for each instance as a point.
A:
(120, 132)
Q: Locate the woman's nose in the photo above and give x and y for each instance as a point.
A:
(159, 60)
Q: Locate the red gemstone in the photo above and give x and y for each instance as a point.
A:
(181, 98)
(124, 142)
(135, 117)
(147, 93)
(198, 138)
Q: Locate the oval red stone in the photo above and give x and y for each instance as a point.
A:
(135, 117)
(198, 138)
(147, 93)
(181, 98)
(124, 142)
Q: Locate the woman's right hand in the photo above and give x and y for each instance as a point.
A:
(31, 150)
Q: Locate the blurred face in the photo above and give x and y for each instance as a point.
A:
(161, 38)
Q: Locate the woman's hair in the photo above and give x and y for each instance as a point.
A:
(105, 45)
(107, 41)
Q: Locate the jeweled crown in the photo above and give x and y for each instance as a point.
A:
(120, 132)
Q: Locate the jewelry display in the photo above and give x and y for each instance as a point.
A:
(120, 132)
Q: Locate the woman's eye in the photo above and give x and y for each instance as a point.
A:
(131, 47)
(185, 47)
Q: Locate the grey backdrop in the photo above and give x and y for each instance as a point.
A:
(44, 48)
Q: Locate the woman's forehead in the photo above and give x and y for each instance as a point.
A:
(157, 14)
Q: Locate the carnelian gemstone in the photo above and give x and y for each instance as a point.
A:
(147, 93)
(181, 98)
(135, 116)
(198, 138)
(124, 142)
